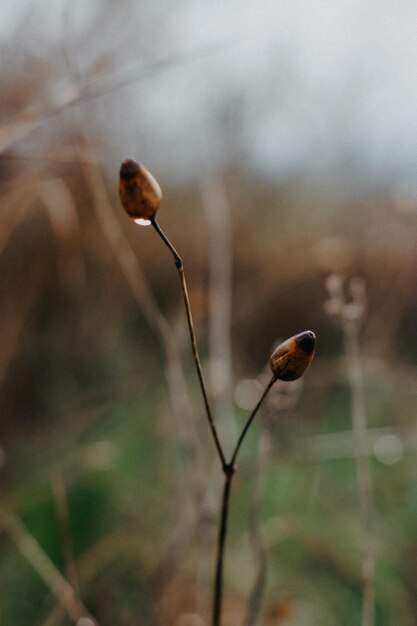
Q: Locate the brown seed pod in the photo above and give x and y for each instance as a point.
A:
(139, 192)
(292, 357)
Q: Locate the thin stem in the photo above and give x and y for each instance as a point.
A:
(180, 267)
(229, 470)
(250, 420)
(255, 535)
(218, 581)
(124, 254)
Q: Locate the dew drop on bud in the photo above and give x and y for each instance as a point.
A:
(140, 194)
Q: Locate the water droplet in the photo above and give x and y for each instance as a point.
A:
(142, 222)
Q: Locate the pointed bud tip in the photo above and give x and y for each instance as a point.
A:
(291, 358)
(306, 341)
(129, 169)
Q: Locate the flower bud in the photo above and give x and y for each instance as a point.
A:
(292, 357)
(139, 192)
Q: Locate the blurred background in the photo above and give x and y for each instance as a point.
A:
(284, 137)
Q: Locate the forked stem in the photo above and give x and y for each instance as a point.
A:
(229, 470)
(180, 267)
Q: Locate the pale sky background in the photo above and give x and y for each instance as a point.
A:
(320, 90)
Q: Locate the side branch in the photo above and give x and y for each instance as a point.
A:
(250, 420)
(229, 470)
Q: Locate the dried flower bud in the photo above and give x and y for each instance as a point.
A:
(292, 357)
(139, 192)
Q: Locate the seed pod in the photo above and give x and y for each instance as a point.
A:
(292, 357)
(139, 192)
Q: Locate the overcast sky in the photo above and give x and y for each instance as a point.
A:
(303, 87)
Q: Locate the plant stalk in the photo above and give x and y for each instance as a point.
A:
(229, 470)
(180, 267)
(250, 420)
(218, 580)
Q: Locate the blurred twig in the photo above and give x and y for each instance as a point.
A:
(61, 502)
(217, 209)
(64, 155)
(45, 568)
(350, 316)
(22, 125)
(364, 475)
(63, 216)
(282, 398)
(255, 534)
(218, 214)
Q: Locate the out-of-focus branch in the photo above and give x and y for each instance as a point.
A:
(20, 127)
(350, 316)
(255, 534)
(218, 214)
(364, 475)
(45, 568)
(63, 216)
(61, 502)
